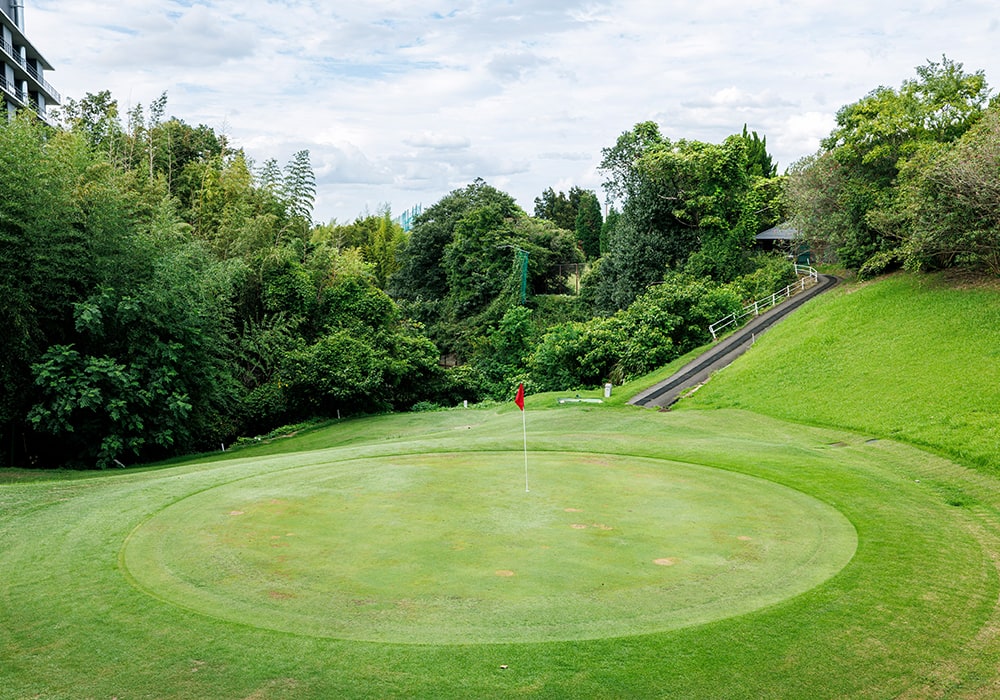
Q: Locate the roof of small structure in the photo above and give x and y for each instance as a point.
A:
(781, 232)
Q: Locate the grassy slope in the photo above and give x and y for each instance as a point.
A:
(913, 614)
(913, 358)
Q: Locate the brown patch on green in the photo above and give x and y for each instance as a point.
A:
(666, 561)
(279, 687)
(505, 573)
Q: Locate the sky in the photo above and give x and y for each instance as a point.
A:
(401, 101)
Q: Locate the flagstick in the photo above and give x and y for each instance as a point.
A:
(524, 425)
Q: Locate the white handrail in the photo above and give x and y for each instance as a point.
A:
(756, 307)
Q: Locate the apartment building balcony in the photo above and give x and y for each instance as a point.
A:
(26, 66)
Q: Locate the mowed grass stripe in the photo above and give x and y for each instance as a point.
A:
(919, 592)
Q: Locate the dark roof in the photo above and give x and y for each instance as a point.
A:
(781, 232)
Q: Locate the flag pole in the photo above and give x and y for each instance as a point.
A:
(519, 401)
(524, 426)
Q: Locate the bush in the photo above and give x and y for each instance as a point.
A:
(662, 324)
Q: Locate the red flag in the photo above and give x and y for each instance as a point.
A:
(519, 399)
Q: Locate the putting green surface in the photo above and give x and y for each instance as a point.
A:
(450, 548)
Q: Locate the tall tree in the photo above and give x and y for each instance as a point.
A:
(588, 225)
(422, 273)
(948, 212)
(759, 161)
(558, 208)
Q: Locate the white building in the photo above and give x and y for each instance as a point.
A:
(22, 78)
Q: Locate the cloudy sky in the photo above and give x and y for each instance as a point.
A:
(401, 101)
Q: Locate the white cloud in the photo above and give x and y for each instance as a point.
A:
(401, 101)
(438, 141)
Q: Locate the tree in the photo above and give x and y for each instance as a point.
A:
(682, 198)
(759, 161)
(873, 140)
(96, 117)
(299, 193)
(559, 208)
(949, 204)
(422, 273)
(588, 225)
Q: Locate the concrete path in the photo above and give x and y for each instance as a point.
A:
(725, 351)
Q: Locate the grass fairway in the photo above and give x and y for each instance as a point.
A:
(380, 557)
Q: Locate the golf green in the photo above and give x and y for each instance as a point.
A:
(450, 547)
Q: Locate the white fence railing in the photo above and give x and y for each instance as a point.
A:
(807, 275)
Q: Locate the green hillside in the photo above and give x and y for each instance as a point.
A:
(911, 357)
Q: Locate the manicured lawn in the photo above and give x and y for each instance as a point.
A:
(379, 557)
(450, 548)
(914, 358)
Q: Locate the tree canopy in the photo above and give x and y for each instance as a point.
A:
(687, 205)
(848, 194)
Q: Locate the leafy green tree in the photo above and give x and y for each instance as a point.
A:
(96, 117)
(759, 161)
(560, 208)
(589, 224)
(422, 274)
(857, 169)
(478, 260)
(682, 198)
(949, 204)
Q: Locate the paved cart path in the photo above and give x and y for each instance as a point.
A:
(725, 351)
